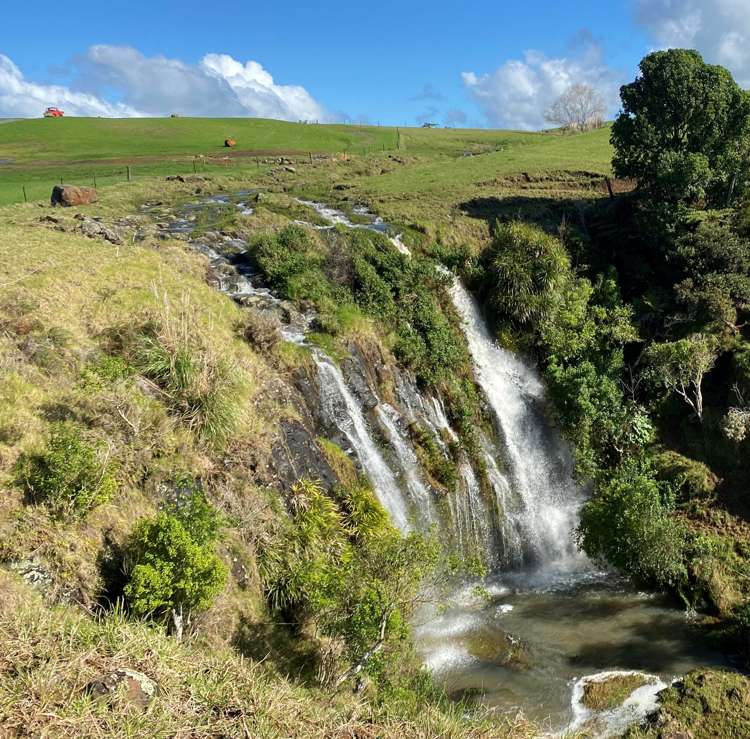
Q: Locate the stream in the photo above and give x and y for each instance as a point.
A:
(546, 620)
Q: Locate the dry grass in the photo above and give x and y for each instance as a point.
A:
(49, 655)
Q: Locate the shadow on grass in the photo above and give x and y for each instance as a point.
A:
(547, 211)
(278, 646)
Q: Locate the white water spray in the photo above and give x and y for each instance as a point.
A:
(342, 408)
(547, 500)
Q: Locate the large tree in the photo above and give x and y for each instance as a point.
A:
(683, 129)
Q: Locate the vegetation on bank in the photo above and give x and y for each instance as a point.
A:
(139, 410)
(643, 342)
(136, 426)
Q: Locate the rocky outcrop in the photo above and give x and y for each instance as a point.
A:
(71, 195)
(94, 229)
(296, 456)
(129, 686)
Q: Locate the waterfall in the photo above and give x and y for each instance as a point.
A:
(342, 408)
(407, 460)
(546, 501)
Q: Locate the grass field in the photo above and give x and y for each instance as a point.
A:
(36, 154)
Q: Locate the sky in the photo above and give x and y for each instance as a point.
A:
(493, 63)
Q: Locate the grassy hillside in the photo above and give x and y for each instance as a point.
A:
(36, 154)
(68, 139)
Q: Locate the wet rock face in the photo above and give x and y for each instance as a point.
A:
(130, 686)
(297, 456)
(71, 195)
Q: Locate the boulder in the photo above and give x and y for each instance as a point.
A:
(131, 686)
(229, 143)
(96, 230)
(70, 195)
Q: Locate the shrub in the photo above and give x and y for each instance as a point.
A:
(67, 474)
(692, 480)
(263, 331)
(627, 522)
(340, 562)
(526, 272)
(105, 369)
(173, 566)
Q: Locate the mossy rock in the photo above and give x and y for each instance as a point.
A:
(703, 705)
(499, 648)
(694, 480)
(607, 694)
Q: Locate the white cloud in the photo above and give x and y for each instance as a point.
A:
(256, 90)
(217, 86)
(518, 92)
(719, 29)
(20, 97)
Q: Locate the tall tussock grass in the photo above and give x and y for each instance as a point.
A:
(206, 389)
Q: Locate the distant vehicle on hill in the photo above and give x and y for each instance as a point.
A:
(53, 112)
(429, 125)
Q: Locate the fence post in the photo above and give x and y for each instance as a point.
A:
(310, 157)
(128, 173)
(94, 179)
(25, 199)
(195, 167)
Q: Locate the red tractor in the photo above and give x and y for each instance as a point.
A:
(54, 113)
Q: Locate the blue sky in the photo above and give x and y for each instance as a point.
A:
(481, 63)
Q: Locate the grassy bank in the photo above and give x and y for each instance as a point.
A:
(36, 154)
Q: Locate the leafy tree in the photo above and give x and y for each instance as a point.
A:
(580, 108)
(174, 570)
(582, 345)
(627, 523)
(683, 129)
(680, 367)
(715, 261)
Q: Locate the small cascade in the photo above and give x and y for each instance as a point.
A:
(421, 496)
(340, 406)
(544, 508)
(511, 528)
(474, 516)
(337, 217)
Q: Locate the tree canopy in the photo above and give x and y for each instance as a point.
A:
(683, 129)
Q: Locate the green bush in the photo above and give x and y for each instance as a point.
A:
(340, 563)
(525, 273)
(692, 481)
(173, 565)
(292, 263)
(627, 522)
(67, 474)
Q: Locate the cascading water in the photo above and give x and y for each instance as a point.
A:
(547, 500)
(407, 459)
(340, 406)
(551, 617)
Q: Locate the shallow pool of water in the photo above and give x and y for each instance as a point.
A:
(525, 640)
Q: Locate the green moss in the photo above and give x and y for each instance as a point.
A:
(339, 462)
(604, 695)
(705, 704)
